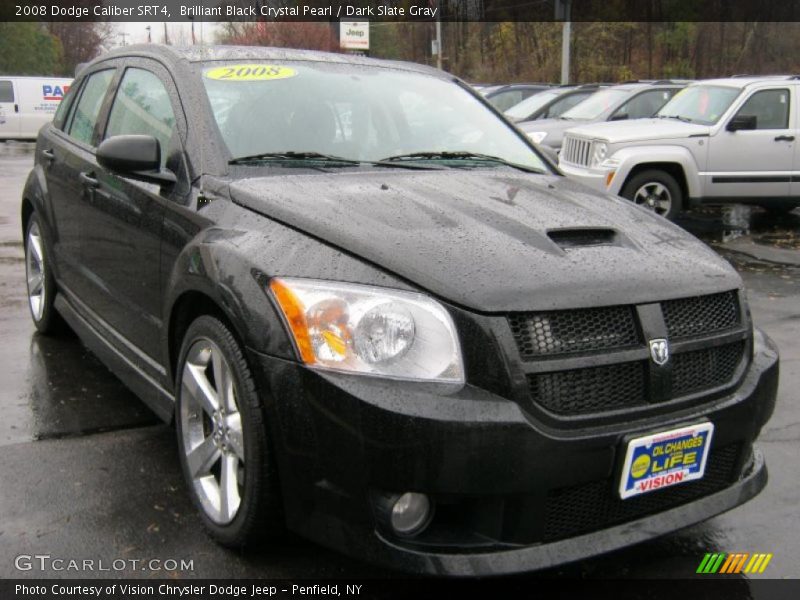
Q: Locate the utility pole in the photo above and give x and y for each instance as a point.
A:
(123, 35)
(438, 43)
(149, 38)
(563, 13)
(166, 35)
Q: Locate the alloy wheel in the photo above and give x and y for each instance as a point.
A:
(35, 271)
(654, 196)
(211, 426)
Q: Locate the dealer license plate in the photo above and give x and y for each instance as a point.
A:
(664, 459)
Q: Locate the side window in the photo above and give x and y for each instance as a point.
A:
(564, 104)
(6, 91)
(142, 106)
(645, 104)
(84, 117)
(769, 107)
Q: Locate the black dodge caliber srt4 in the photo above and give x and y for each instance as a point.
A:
(378, 317)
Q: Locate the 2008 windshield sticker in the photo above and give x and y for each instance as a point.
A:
(250, 73)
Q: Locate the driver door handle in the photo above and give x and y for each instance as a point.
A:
(784, 138)
(88, 180)
(49, 155)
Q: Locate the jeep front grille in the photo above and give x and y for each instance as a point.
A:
(576, 151)
(590, 361)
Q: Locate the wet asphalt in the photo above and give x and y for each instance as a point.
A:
(88, 472)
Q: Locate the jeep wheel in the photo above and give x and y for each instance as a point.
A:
(657, 191)
(226, 459)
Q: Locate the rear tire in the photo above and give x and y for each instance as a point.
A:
(41, 285)
(657, 191)
(225, 455)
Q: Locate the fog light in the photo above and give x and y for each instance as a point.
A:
(411, 514)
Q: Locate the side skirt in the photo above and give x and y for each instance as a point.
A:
(149, 391)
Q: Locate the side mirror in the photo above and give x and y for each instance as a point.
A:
(134, 156)
(620, 117)
(740, 122)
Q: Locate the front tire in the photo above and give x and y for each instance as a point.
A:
(41, 284)
(657, 191)
(225, 455)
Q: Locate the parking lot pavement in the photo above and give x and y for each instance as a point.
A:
(87, 472)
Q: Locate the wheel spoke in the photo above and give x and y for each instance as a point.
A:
(196, 384)
(235, 435)
(35, 281)
(36, 248)
(223, 382)
(229, 487)
(202, 458)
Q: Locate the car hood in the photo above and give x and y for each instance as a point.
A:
(482, 239)
(638, 130)
(554, 128)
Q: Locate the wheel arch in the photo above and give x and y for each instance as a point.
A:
(188, 306)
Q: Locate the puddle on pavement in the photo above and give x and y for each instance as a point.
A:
(66, 391)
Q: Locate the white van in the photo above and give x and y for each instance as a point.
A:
(27, 103)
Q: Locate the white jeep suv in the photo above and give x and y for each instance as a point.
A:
(716, 141)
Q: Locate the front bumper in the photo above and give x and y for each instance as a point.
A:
(496, 473)
(595, 178)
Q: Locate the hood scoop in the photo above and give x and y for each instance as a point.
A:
(578, 238)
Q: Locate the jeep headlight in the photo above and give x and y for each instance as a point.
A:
(370, 330)
(599, 154)
(537, 136)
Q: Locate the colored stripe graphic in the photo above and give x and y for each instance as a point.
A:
(721, 562)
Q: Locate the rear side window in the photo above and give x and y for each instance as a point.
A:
(6, 91)
(769, 107)
(84, 117)
(142, 106)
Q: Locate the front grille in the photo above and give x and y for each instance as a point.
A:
(596, 505)
(576, 151)
(704, 369)
(701, 315)
(584, 391)
(569, 331)
(564, 345)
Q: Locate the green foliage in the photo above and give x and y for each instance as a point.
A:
(28, 49)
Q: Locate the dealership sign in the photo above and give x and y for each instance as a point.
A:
(354, 35)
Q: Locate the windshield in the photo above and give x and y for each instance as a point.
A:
(596, 104)
(703, 104)
(356, 112)
(532, 104)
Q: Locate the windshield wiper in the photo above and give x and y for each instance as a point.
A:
(290, 155)
(679, 117)
(458, 155)
(330, 160)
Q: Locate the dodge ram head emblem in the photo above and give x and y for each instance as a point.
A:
(659, 351)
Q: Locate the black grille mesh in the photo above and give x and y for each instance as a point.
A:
(705, 369)
(581, 391)
(701, 315)
(592, 506)
(569, 331)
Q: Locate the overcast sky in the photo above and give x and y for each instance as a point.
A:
(179, 33)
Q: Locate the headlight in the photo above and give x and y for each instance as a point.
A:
(600, 153)
(537, 136)
(370, 330)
